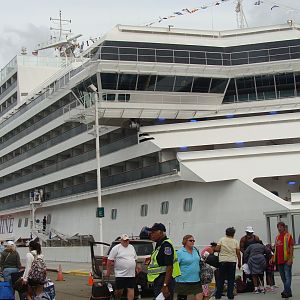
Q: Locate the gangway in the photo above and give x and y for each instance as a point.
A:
(60, 235)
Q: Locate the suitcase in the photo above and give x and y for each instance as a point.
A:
(100, 291)
(6, 291)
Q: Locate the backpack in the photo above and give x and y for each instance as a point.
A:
(38, 271)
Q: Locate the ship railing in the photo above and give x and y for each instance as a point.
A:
(168, 55)
(8, 90)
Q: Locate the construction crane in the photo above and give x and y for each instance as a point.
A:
(240, 16)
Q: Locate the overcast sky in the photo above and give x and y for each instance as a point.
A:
(26, 23)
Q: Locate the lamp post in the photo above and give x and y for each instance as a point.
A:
(97, 136)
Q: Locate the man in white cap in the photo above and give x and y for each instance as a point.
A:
(124, 258)
(248, 239)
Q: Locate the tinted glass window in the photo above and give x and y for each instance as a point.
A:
(198, 57)
(214, 58)
(146, 82)
(114, 214)
(230, 95)
(188, 204)
(128, 54)
(239, 58)
(165, 83)
(109, 81)
(146, 55)
(127, 81)
(164, 208)
(285, 85)
(297, 79)
(183, 84)
(144, 210)
(182, 57)
(201, 85)
(246, 88)
(218, 85)
(109, 53)
(164, 56)
(265, 87)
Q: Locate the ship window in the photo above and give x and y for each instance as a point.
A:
(218, 85)
(188, 204)
(201, 85)
(48, 218)
(109, 81)
(239, 58)
(146, 82)
(181, 57)
(183, 84)
(128, 53)
(285, 85)
(144, 210)
(265, 87)
(165, 56)
(258, 56)
(296, 228)
(164, 208)
(113, 215)
(297, 79)
(198, 57)
(19, 222)
(281, 53)
(246, 89)
(110, 53)
(26, 222)
(165, 83)
(127, 82)
(214, 58)
(146, 55)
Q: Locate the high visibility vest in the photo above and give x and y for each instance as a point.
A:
(154, 269)
(286, 250)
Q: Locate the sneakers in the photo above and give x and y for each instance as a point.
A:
(256, 292)
(284, 295)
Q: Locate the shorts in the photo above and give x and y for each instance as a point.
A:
(125, 283)
(188, 288)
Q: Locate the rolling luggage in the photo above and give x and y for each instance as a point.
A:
(101, 291)
(6, 291)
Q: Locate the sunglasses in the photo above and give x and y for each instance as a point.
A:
(192, 241)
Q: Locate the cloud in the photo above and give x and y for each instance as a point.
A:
(12, 39)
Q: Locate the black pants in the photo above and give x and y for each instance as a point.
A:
(226, 271)
(158, 285)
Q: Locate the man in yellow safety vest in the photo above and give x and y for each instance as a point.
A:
(163, 266)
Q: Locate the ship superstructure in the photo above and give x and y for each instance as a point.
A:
(198, 130)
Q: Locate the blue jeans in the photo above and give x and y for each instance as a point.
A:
(7, 273)
(285, 272)
(226, 271)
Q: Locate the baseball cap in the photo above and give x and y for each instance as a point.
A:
(10, 243)
(249, 229)
(124, 237)
(157, 226)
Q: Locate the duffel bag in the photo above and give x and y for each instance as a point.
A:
(6, 291)
(100, 291)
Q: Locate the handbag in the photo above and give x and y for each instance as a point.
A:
(6, 291)
(206, 273)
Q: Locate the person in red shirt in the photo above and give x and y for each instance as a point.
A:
(283, 257)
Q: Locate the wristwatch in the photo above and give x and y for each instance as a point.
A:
(165, 284)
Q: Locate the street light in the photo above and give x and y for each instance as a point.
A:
(93, 89)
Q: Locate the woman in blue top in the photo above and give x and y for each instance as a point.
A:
(188, 283)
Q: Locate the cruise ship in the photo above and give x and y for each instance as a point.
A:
(199, 130)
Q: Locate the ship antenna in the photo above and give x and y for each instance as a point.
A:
(61, 27)
(240, 15)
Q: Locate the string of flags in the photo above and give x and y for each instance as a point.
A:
(190, 11)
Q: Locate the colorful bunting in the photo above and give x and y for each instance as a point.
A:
(189, 11)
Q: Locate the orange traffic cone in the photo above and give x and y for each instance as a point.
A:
(91, 279)
(60, 276)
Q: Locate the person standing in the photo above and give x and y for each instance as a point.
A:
(229, 253)
(163, 267)
(248, 239)
(188, 283)
(124, 258)
(283, 257)
(1, 247)
(44, 223)
(10, 261)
